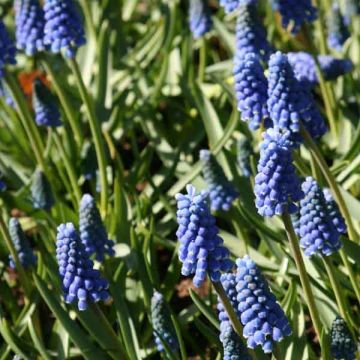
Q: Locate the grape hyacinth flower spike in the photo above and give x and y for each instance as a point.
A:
(161, 320)
(316, 229)
(231, 5)
(7, 52)
(244, 151)
(92, 231)
(30, 22)
(277, 187)
(41, 193)
(251, 91)
(221, 191)
(45, 105)
(338, 32)
(200, 21)
(25, 254)
(80, 280)
(63, 27)
(343, 345)
(201, 249)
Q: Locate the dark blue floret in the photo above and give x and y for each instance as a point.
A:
(251, 90)
(295, 13)
(199, 18)
(201, 248)
(334, 212)
(21, 244)
(338, 32)
(45, 105)
(290, 101)
(251, 34)
(317, 231)
(343, 346)
(162, 324)
(41, 193)
(30, 24)
(92, 231)
(244, 151)
(81, 282)
(63, 27)
(262, 317)
(3, 186)
(221, 191)
(7, 49)
(231, 5)
(277, 186)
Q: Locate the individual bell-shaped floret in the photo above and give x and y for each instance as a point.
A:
(22, 246)
(201, 249)
(92, 230)
(338, 32)
(63, 27)
(244, 152)
(199, 18)
(231, 5)
(277, 187)
(7, 49)
(221, 191)
(80, 281)
(41, 193)
(164, 330)
(343, 346)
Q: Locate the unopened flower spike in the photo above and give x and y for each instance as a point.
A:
(22, 246)
(295, 13)
(244, 152)
(30, 22)
(92, 231)
(63, 27)
(7, 52)
(231, 5)
(343, 346)
(316, 227)
(251, 91)
(277, 187)
(221, 191)
(201, 249)
(200, 21)
(41, 193)
(338, 32)
(80, 281)
(45, 105)
(162, 323)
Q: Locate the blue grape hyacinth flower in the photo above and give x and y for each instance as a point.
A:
(231, 5)
(63, 27)
(251, 91)
(45, 105)
(41, 193)
(277, 187)
(334, 212)
(343, 346)
(30, 22)
(8, 50)
(221, 191)
(316, 230)
(92, 230)
(243, 152)
(290, 101)
(201, 249)
(80, 280)
(338, 32)
(263, 319)
(164, 330)
(200, 21)
(22, 246)
(295, 13)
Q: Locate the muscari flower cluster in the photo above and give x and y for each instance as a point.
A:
(316, 228)
(304, 67)
(338, 32)
(45, 105)
(251, 91)
(290, 101)
(92, 231)
(41, 193)
(22, 246)
(199, 18)
(7, 52)
(295, 13)
(277, 186)
(343, 345)
(231, 5)
(63, 27)
(221, 191)
(201, 249)
(80, 281)
(30, 22)
(164, 330)
(250, 34)
(244, 151)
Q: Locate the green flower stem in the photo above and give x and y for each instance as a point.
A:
(354, 281)
(202, 59)
(304, 279)
(96, 134)
(330, 180)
